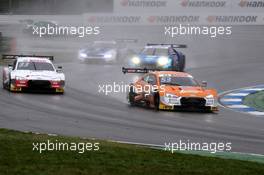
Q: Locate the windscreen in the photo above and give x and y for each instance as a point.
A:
(35, 66)
(178, 81)
(161, 52)
(148, 51)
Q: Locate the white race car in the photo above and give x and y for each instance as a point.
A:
(30, 72)
(99, 52)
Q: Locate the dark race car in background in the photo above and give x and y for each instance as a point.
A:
(160, 56)
(106, 51)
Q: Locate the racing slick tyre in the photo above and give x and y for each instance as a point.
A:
(8, 86)
(131, 96)
(157, 101)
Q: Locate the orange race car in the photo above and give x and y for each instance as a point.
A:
(170, 90)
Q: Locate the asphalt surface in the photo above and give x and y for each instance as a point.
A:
(226, 63)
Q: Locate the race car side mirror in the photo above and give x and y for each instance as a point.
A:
(204, 83)
(59, 69)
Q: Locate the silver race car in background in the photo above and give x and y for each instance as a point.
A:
(106, 51)
(30, 72)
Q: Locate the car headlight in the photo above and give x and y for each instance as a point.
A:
(20, 78)
(82, 54)
(162, 61)
(108, 55)
(135, 60)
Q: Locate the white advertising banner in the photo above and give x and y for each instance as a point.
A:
(175, 6)
(174, 19)
(145, 19)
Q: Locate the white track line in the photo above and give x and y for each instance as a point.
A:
(237, 94)
(238, 106)
(230, 94)
(142, 144)
(163, 146)
(231, 100)
(255, 89)
(256, 113)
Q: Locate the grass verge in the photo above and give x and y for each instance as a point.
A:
(17, 157)
(255, 100)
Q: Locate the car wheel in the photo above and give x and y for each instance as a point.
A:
(8, 86)
(131, 96)
(157, 101)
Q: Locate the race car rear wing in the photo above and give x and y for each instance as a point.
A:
(169, 45)
(12, 57)
(138, 70)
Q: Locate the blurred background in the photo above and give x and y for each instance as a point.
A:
(49, 7)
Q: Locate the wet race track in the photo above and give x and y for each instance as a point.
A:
(225, 63)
